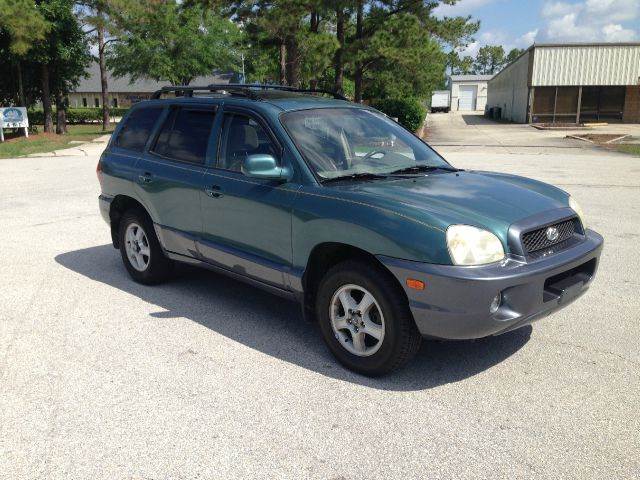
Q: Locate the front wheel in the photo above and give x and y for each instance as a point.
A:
(365, 319)
(140, 249)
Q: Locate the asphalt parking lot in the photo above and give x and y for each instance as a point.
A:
(205, 377)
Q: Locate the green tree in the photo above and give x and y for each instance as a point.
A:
(276, 25)
(21, 24)
(401, 59)
(489, 60)
(460, 65)
(62, 57)
(95, 15)
(374, 47)
(173, 42)
(513, 54)
(406, 34)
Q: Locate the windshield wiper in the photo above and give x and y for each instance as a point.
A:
(354, 176)
(423, 168)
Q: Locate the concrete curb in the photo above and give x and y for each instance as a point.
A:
(78, 151)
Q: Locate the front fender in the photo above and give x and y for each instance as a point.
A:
(320, 217)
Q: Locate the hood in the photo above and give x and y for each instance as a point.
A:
(490, 200)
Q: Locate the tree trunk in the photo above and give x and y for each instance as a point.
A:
(283, 63)
(46, 99)
(293, 62)
(61, 115)
(314, 26)
(103, 75)
(21, 100)
(338, 60)
(357, 78)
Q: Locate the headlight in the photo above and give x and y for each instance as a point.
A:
(473, 246)
(575, 206)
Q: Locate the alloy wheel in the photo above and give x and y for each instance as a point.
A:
(357, 320)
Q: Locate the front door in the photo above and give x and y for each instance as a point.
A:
(171, 176)
(247, 221)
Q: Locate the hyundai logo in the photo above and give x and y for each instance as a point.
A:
(552, 234)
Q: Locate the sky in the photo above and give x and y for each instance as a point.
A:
(520, 23)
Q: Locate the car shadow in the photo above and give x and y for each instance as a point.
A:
(276, 327)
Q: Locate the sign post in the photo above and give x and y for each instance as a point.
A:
(13, 117)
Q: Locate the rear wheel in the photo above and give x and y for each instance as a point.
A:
(365, 319)
(140, 249)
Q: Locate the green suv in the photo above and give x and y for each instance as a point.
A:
(336, 206)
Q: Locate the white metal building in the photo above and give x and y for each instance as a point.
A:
(570, 83)
(468, 92)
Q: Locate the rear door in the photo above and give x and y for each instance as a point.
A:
(171, 175)
(120, 159)
(247, 221)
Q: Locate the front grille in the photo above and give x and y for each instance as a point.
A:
(537, 239)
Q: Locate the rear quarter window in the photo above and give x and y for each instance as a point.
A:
(138, 127)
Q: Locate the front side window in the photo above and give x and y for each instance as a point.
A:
(138, 126)
(242, 136)
(185, 135)
(337, 142)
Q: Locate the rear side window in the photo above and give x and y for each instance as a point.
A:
(136, 131)
(185, 135)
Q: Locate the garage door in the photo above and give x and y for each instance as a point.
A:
(468, 97)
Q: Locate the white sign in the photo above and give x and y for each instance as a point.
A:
(13, 117)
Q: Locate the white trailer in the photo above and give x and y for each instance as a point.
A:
(441, 101)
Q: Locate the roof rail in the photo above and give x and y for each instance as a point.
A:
(287, 88)
(243, 89)
(187, 90)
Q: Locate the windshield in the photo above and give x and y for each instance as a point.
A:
(340, 142)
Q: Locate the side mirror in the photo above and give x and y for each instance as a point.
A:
(264, 166)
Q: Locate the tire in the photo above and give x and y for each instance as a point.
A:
(394, 338)
(154, 267)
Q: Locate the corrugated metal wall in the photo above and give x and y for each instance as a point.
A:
(586, 65)
(509, 90)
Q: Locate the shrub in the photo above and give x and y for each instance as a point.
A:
(77, 115)
(409, 111)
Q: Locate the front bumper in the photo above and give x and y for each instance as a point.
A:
(455, 302)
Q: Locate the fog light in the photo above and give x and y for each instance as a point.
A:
(495, 304)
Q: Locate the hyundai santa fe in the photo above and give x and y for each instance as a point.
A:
(336, 206)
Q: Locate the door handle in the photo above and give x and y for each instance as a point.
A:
(145, 178)
(213, 191)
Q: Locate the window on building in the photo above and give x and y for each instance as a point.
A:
(185, 135)
(84, 102)
(114, 102)
(137, 128)
(96, 102)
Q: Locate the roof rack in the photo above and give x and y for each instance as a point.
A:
(187, 90)
(241, 89)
